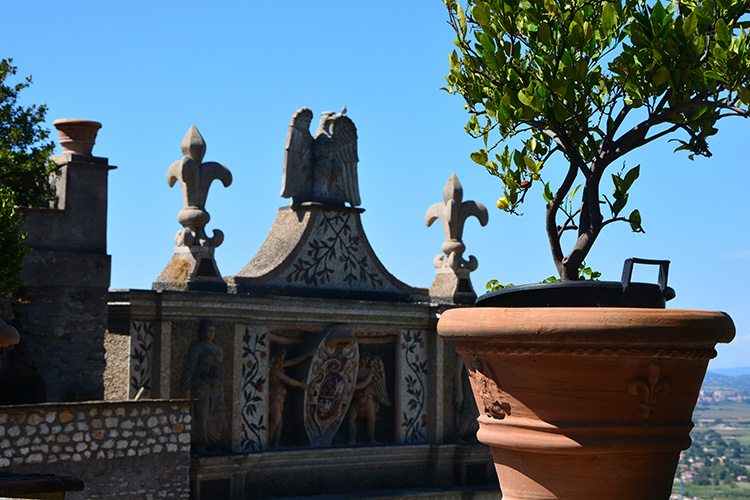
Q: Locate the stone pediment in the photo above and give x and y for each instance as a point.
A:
(317, 250)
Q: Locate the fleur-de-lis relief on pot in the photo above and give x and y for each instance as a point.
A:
(195, 177)
(649, 387)
(453, 212)
(486, 383)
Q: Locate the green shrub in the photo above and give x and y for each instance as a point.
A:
(12, 250)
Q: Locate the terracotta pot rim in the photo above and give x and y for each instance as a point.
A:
(77, 121)
(588, 326)
(8, 336)
(583, 437)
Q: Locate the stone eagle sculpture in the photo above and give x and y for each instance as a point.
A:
(321, 168)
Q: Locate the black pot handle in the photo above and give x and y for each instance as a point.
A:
(627, 272)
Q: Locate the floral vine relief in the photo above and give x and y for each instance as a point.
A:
(335, 254)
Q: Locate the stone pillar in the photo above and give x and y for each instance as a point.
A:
(62, 312)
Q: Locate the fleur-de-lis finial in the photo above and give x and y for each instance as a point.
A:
(195, 178)
(193, 266)
(452, 281)
(453, 212)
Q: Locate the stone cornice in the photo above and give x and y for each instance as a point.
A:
(175, 306)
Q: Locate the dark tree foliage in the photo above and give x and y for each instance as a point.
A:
(12, 250)
(24, 143)
(24, 168)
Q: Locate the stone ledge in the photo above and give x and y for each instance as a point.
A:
(60, 268)
(35, 485)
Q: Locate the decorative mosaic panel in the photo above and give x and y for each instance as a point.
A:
(413, 388)
(254, 395)
(141, 357)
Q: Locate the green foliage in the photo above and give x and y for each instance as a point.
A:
(584, 273)
(581, 84)
(24, 168)
(24, 144)
(494, 285)
(12, 249)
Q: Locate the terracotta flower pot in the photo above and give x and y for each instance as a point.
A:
(585, 403)
(77, 136)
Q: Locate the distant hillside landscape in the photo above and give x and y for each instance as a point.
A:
(717, 382)
(731, 372)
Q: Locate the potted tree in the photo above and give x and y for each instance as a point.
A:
(589, 401)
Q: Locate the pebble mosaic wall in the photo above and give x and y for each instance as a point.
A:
(151, 439)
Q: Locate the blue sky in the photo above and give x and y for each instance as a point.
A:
(238, 70)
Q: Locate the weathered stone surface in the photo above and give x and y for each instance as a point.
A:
(62, 313)
(110, 466)
(320, 251)
(321, 168)
(117, 354)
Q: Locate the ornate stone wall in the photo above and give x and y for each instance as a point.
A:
(121, 450)
(336, 374)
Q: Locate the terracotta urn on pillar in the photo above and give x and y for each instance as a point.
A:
(582, 403)
(77, 136)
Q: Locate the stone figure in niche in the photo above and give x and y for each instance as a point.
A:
(369, 393)
(332, 378)
(278, 380)
(202, 381)
(321, 168)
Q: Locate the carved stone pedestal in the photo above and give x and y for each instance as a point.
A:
(585, 402)
(191, 268)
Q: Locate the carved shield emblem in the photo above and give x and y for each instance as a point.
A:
(331, 379)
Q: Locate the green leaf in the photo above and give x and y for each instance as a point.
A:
(609, 16)
(530, 164)
(567, 59)
(690, 25)
(714, 75)
(480, 157)
(723, 34)
(588, 31)
(480, 15)
(744, 94)
(544, 34)
(573, 193)
(454, 62)
(662, 75)
(461, 18)
(635, 221)
(548, 196)
(630, 178)
(619, 204)
(658, 14)
(524, 98)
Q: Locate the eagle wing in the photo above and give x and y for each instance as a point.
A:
(298, 159)
(378, 380)
(344, 136)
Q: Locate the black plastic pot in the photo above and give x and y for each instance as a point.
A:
(588, 293)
